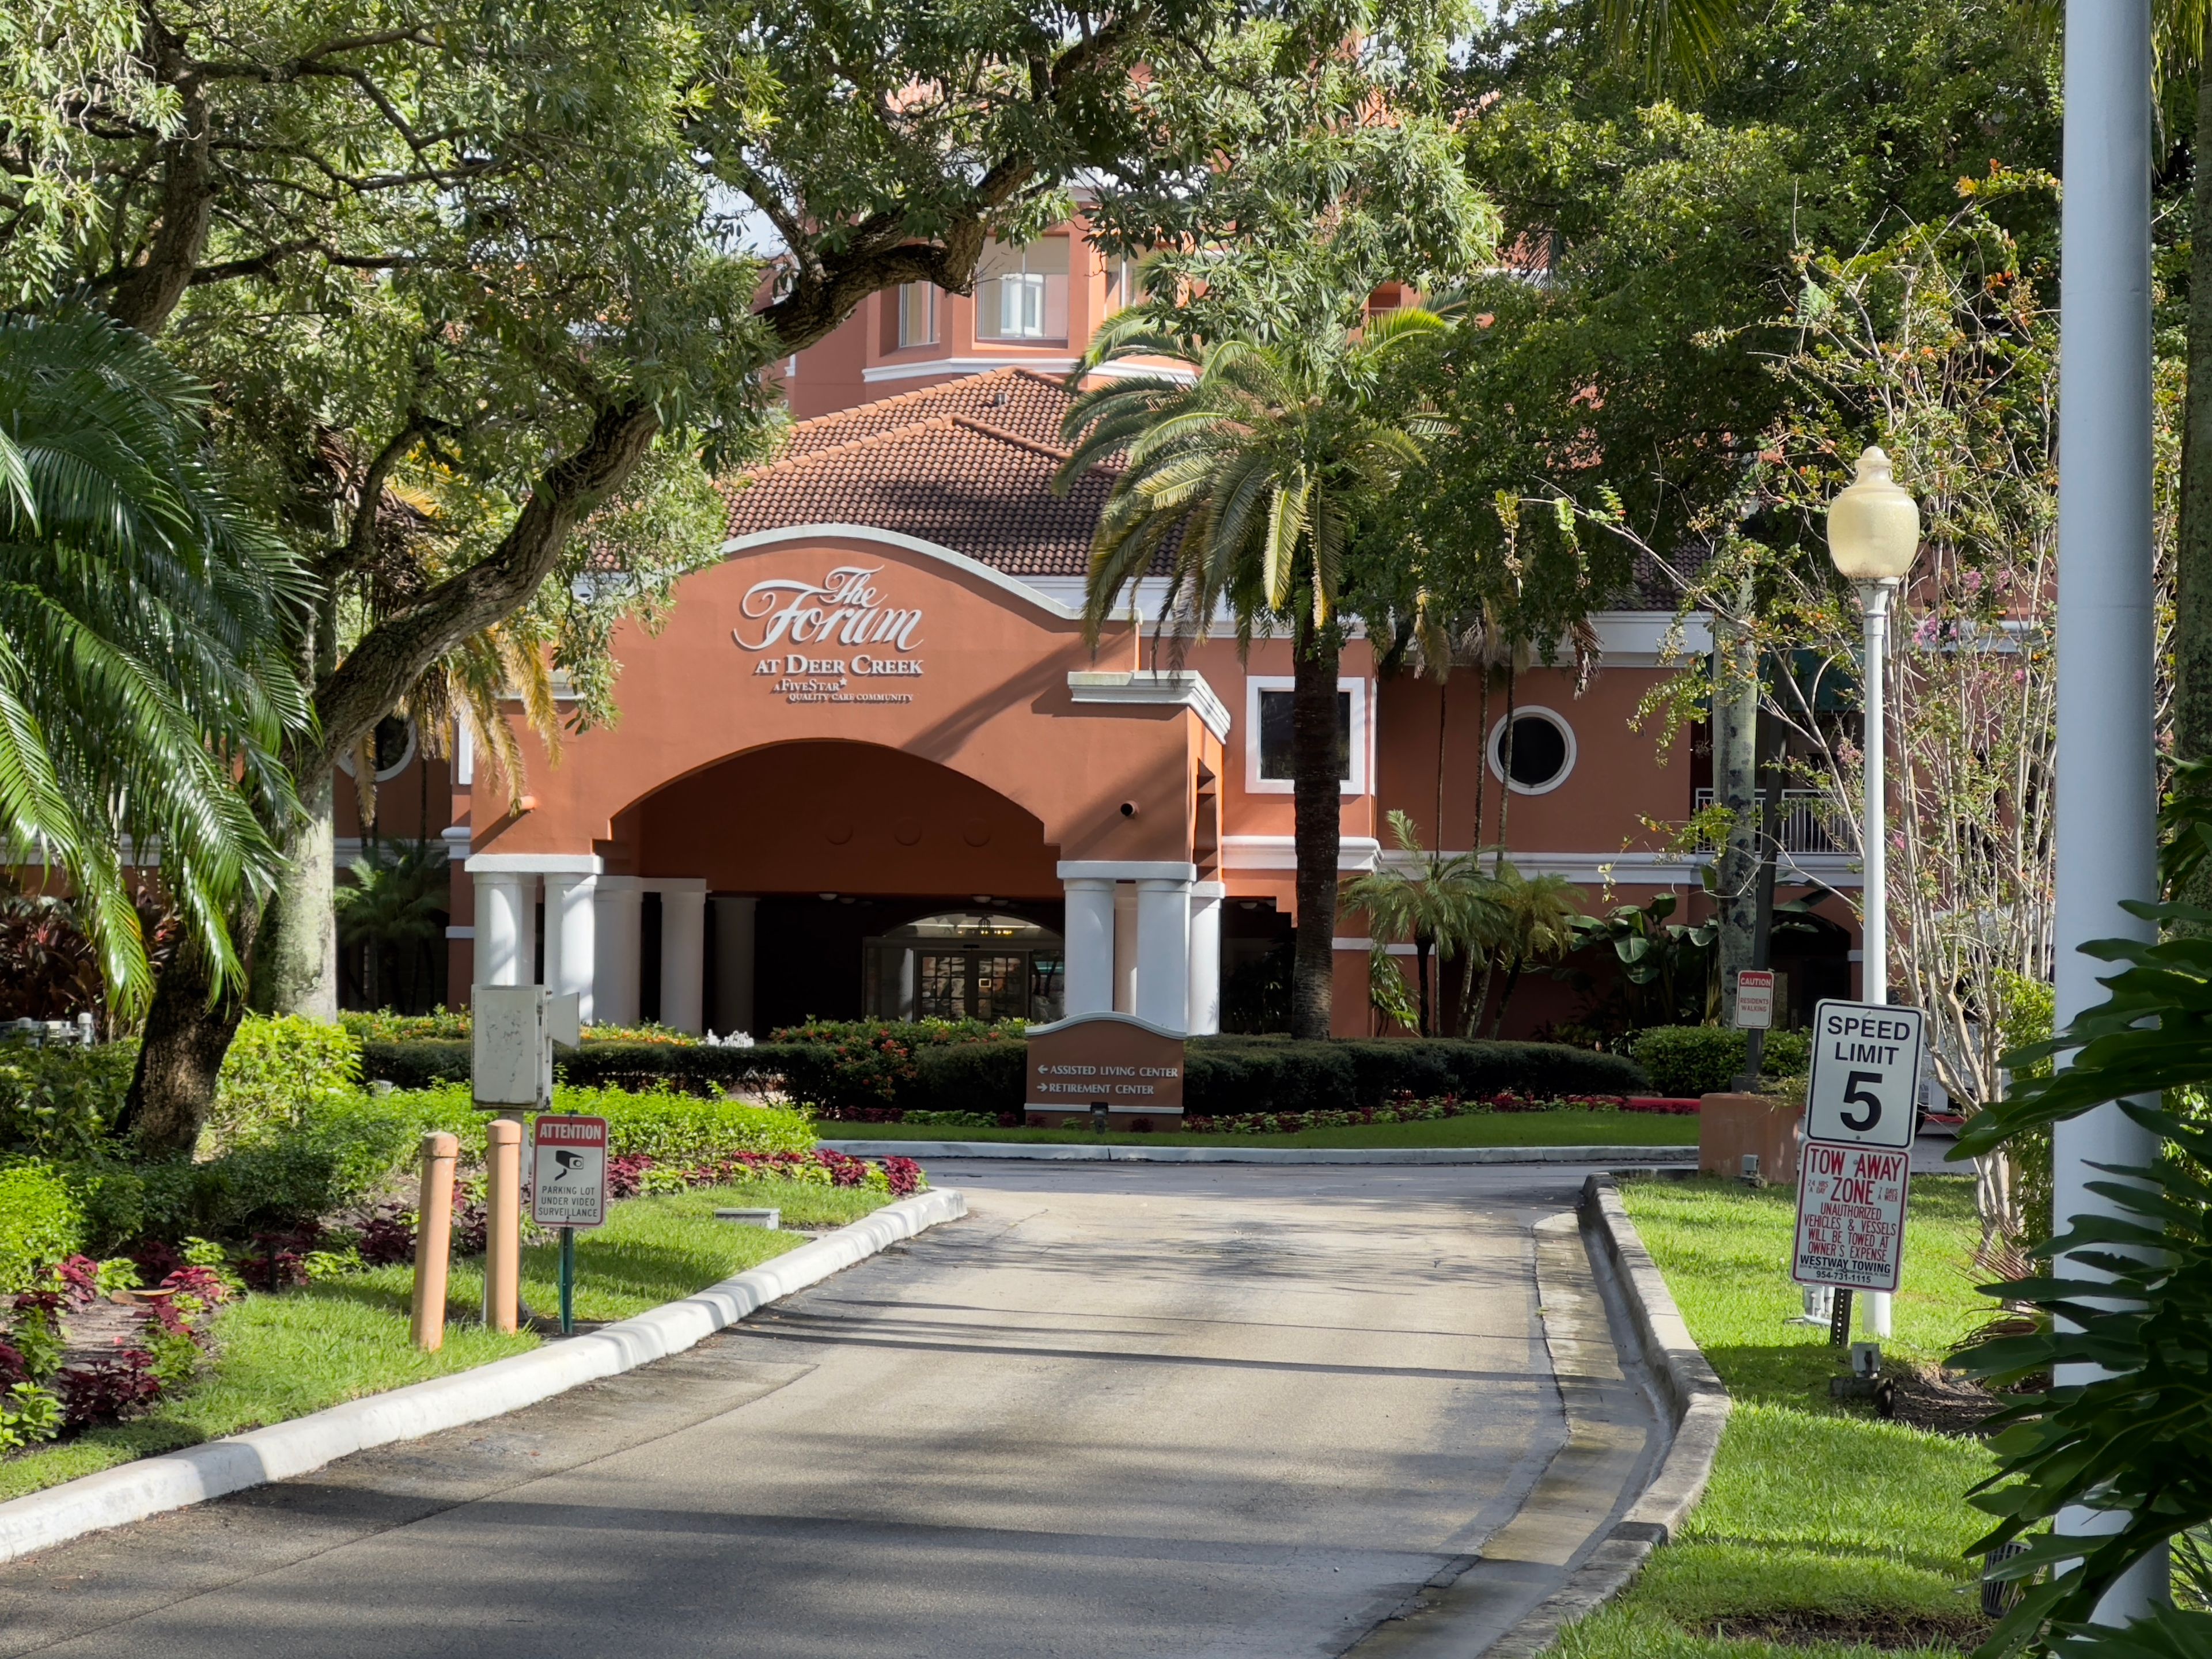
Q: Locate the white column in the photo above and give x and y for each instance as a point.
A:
(684, 955)
(1125, 948)
(2106, 798)
(734, 919)
(1163, 952)
(1089, 933)
(503, 931)
(618, 937)
(1205, 1019)
(570, 957)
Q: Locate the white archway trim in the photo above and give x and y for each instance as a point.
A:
(1116, 1018)
(938, 550)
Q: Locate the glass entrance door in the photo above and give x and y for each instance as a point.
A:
(966, 966)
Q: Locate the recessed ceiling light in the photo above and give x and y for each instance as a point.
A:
(828, 898)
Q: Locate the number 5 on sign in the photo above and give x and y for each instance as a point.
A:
(1864, 1089)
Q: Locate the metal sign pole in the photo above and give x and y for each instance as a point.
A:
(567, 1281)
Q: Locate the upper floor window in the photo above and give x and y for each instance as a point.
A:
(917, 314)
(1276, 763)
(1121, 285)
(1021, 293)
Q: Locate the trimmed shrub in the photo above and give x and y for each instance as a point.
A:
(40, 1222)
(1232, 1074)
(852, 1068)
(416, 1062)
(60, 1102)
(971, 1079)
(278, 1071)
(672, 1127)
(1704, 1060)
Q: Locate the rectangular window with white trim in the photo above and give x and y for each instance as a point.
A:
(1268, 763)
(1021, 293)
(917, 314)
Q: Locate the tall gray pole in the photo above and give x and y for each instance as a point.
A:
(1874, 898)
(2106, 804)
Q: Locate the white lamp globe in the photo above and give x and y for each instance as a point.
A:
(1874, 524)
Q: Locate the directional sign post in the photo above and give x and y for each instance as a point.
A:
(1861, 1107)
(569, 1190)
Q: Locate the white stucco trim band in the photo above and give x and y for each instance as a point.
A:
(533, 864)
(1183, 686)
(880, 372)
(1125, 870)
(862, 532)
(1354, 853)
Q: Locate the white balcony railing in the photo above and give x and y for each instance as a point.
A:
(1807, 817)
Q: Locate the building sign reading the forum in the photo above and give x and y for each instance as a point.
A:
(834, 640)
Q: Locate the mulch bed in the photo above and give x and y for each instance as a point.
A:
(1894, 1632)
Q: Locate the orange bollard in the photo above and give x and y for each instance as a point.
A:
(503, 1239)
(434, 1237)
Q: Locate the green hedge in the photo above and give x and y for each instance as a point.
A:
(1232, 1074)
(1704, 1060)
(916, 1068)
(693, 1068)
(60, 1102)
(41, 1221)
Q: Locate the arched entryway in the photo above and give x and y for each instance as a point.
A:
(841, 880)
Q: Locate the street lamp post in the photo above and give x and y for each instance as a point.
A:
(1874, 535)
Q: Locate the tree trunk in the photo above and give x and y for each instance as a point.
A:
(1736, 786)
(1505, 996)
(1318, 791)
(2192, 553)
(1466, 1009)
(180, 1055)
(1421, 975)
(1473, 1024)
(296, 969)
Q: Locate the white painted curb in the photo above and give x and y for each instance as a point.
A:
(116, 1497)
(1695, 1403)
(1053, 1152)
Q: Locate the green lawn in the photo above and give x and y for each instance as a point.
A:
(1560, 1128)
(1819, 1516)
(279, 1357)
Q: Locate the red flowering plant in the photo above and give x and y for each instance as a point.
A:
(635, 1173)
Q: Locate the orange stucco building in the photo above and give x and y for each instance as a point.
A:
(870, 767)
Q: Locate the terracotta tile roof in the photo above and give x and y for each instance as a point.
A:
(968, 465)
(1017, 400)
(923, 465)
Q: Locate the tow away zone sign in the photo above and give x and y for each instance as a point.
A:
(1851, 1216)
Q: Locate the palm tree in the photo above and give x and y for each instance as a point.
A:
(395, 904)
(1537, 917)
(1438, 903)
(143, 688)
(1244, 479)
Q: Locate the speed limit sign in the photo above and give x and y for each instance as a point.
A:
(1865, 1086)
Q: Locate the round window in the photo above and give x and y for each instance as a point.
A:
(1534, 752)
(394, 746)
